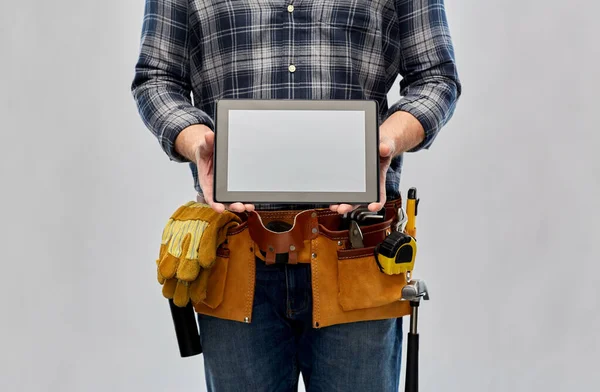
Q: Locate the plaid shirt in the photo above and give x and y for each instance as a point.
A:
(294, 49)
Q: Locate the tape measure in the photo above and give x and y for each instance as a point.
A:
(397, 253)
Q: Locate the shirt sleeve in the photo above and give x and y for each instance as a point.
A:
(430, 85)
(161, 86)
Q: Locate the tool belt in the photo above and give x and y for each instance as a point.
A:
(347, 283)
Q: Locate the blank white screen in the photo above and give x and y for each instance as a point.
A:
(296, 151)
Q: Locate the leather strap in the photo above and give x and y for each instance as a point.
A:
(307, 225)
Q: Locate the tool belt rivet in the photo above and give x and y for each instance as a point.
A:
(314, 255)
(314, 215)
(314, 230)
(271, 249)
(339, 243)
(292, 248)
(247, 320)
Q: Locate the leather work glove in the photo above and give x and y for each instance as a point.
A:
(189, 249)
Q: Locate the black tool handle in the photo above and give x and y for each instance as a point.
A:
(412, 363)
(186, 329)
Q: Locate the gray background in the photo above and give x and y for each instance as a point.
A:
(508, 224)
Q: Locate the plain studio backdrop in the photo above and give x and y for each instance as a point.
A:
(508, 223)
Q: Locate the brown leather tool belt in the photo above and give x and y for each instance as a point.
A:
(293, 245)
(347, 283)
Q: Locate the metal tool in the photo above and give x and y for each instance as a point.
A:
(356, 235)
(402, 220)
(363, 216)
(369, 215)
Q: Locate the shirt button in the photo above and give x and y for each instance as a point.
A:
(290, 8)
(292, 68)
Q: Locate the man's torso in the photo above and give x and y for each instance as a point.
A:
(300, 49)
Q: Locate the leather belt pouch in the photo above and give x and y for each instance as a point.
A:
(347, 284)
(230, 291)
(349, 287)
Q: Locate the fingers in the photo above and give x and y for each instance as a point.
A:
(217, 207)
(342, 208)
(385, 163)
(220, 208)
(237, 207)
(206, 183)
(374, 207)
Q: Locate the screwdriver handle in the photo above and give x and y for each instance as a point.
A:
(411, 212)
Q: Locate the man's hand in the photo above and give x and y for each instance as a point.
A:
(398, 134)
(387, 150)
(197, 144)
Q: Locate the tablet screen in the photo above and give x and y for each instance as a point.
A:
(296, 151)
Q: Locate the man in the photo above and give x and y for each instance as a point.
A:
(194, 52)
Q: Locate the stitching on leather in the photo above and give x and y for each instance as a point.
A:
(316, 296)
(356, 257)
(342, 237)
(251, 282)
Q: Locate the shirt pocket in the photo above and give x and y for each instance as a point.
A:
(359, 17)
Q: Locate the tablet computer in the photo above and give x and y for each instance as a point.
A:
(296, 151)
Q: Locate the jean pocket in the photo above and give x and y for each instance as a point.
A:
(362, 285)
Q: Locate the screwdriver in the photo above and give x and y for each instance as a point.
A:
(412, 205)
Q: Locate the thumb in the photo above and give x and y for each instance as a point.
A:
(209, 141)
(209, 137)
(386, 148)
(206, 148)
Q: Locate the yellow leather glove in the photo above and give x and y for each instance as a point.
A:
(189, 249)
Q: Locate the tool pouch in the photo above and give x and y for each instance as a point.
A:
(348, 285)
(230, 290)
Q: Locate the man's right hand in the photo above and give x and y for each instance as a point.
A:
(197, 143)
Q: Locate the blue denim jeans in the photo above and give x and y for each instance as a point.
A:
(269, 354)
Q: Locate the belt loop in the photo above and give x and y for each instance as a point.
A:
(293, 257)
(270, 257)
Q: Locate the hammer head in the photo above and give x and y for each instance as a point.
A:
(415, 290)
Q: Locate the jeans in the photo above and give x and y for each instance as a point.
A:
(268, 354)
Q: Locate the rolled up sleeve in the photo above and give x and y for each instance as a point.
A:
(430, 86)
(161, 86)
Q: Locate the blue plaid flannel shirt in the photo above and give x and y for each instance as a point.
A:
(195, 52)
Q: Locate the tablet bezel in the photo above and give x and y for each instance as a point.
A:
(222, 195)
